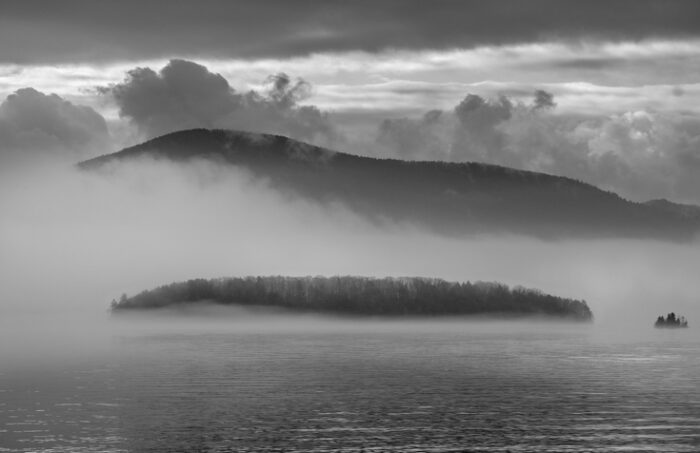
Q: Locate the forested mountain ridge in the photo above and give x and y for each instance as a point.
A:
(363, 296)
(449, 198)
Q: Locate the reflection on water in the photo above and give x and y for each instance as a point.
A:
(414, 386)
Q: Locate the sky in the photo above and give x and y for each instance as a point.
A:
(450, 80)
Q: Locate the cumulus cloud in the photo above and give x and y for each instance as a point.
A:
(478, 118)
(278, 111)
(31, 122)
(184, 95)
(640, 154)
(469, 132)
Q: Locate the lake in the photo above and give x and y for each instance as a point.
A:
(314, 384)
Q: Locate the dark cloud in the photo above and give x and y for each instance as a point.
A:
(477, 134)
(31, 122)
(286, 93)
(89, 30)
(477, 113)
(184, 95)
(543, 100)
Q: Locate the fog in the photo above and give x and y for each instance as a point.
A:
(72, 240)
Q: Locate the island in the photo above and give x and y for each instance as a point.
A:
(351, 295)
(671, 321)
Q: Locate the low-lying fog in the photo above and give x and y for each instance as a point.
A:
(71, 241)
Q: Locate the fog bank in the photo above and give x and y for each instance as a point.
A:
(71, 241)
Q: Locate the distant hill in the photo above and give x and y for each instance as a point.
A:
(363, 296)
(449, 198)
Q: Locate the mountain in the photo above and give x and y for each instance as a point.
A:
(362, 296)
(448, 198)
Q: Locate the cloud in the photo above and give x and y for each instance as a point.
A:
(478, 117)
(184, 95)
(278, 111)
(287, 93)
(416, 139)
(411, 82)
(33, 31)
(641, 154)
(31, 122)
(543, 100)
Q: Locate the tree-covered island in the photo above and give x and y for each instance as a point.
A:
(404, 296)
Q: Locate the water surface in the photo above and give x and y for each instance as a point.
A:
(320, 385)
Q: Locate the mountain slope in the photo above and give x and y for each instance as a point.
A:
(449, 198)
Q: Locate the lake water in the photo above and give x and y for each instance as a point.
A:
(320, 385)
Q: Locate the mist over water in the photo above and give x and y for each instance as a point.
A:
(73, 240)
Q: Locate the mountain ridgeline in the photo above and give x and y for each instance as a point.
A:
(447, 198)
(363, 296)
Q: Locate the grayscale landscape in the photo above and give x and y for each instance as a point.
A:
(325, 226)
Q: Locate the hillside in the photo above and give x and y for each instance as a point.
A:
(363, 296)
(449, 198)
